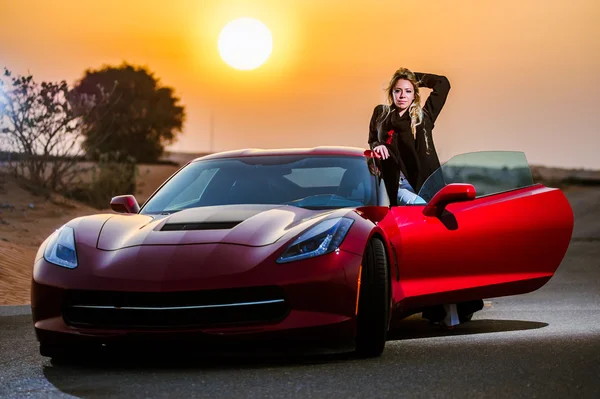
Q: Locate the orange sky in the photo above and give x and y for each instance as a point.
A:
(524, 73)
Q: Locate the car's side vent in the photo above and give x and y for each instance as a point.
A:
(200, 226)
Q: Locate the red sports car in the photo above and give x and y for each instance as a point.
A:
(296, 245)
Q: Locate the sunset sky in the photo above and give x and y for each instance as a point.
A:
(525, 74)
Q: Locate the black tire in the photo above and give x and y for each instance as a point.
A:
(53, 351)
(466, 309)
(464, 318)
(373, 302)
(61, 352)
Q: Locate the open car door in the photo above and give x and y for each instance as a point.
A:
(486, 231)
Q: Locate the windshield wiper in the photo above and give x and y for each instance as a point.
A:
(169, 211)
(320, 207)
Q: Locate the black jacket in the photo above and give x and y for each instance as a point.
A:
(409, 154)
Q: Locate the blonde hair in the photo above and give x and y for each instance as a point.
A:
(415, 110)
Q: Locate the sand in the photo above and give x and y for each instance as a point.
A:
(26, 220)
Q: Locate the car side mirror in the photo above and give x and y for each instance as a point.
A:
(125, 204)
(454, 192)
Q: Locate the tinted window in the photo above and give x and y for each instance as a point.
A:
(316, 182)
(317, 177)
(491, 172)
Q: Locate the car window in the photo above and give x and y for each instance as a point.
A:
(491, 172)
(194, 190)
(316, 177)
(310, 181)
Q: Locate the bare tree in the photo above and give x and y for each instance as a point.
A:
(40, 127)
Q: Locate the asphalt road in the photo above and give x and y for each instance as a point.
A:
(544, 344)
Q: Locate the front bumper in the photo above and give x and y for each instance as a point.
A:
(316, 304)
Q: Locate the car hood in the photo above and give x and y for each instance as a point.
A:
(250, 225)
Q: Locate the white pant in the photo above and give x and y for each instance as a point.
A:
(451, 318)
(406, 194)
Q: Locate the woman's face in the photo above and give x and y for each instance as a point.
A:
(404, 94)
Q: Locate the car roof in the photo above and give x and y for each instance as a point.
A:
(256, 152)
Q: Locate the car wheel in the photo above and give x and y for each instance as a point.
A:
(59, 352)
(373, 302)
(52, 350)
(465, 317)
(466, 309)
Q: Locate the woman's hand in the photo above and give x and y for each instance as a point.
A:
(382, 151)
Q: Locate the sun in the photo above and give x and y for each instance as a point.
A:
(245, 43)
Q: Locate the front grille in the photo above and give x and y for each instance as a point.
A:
(188, 309)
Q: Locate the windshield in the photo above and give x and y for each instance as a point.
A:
(313, 182)
(491, 172)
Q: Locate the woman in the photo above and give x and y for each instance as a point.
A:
(401, 133)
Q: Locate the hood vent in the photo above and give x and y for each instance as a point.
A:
(200, 226)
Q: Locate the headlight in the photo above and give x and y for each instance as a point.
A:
(321, 239)
(61, 248)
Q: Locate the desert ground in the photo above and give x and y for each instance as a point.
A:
(26, 219)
